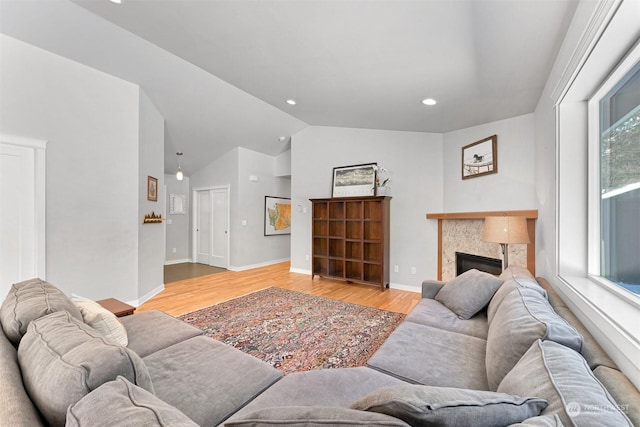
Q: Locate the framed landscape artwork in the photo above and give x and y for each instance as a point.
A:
(152, 188)
(277, 216)
(480, 158)
(355, 180)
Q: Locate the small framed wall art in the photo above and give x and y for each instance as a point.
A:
(354, 180)
(152, 188)
(480, 158)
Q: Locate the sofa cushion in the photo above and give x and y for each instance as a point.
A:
(523, 317)
(337, 388)
(102, 320)
(512, 281)
(119, 403)
(62, 359)
(433, 313)
(426, 355)
(561, 376)
(155, 330)
(312, 416)
(445, 406)
(208, 380)
(541, 421)
(30, 300)
(16, 409)
(469, 293)
(622, 391)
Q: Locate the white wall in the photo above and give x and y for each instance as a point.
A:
(414, 162)
(178, 232)
(151, 240)
(250, 246)
(91, 122)
(512, 187)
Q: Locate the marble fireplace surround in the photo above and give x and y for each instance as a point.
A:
(462, 232)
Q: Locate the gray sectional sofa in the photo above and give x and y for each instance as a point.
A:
(478, 350)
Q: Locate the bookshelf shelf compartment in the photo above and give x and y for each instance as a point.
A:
(350, 239)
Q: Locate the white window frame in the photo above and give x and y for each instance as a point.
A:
(594, 197)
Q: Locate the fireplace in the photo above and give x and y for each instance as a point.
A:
(466, 262)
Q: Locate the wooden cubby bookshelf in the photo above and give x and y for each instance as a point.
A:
(350, 239)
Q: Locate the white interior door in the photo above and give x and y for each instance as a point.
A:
(203, 227)
(220, 233)
(22, 205)
(212, 227)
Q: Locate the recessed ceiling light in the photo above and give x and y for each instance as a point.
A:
(291, 102)
(429, 101)
(116, 1)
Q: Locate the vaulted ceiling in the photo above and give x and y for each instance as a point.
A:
(220, 72)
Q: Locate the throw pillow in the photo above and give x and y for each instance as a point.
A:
(30, 300)
(562, 377)
(62, 359)
(444, 406)
(313, 416)
(102, 320)
(119, 403)
(523, 317)
(468, 293)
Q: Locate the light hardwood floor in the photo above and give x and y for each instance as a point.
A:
(192, 294)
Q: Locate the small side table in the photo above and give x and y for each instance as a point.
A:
(117, 307)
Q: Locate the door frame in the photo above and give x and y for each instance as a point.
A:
(194, 220)
(39, 147)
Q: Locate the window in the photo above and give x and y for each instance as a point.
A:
(619, 167)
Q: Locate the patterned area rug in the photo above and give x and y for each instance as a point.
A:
(294, 331)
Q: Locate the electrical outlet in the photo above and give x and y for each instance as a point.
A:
(306, 257)
(174, 250)
(396, 268)
(413, 270)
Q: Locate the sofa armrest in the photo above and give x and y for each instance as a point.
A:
(431, 287)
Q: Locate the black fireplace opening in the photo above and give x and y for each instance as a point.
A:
(466, 262)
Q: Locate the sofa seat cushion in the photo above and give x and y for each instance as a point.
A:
(62, 359)
(155, 330)
(433, 313)
(336, 388)
(523, 317)
(30, 300)
(541, 421)
(447, 406)
(313, 416)
(423, 354)
(208, 380)
(120, 403)
(562, 377)
(469, 293)
(16, 409)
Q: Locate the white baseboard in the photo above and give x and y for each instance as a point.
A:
(146, 297)
(300, 270)
(402, 287)
(262, 264)
(177, 261)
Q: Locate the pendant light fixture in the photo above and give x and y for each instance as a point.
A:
(179, 174)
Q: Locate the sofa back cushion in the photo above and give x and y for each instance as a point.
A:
(30, 300)
(562, 377)
(523, 317)
(514, 278)
(62, 359)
